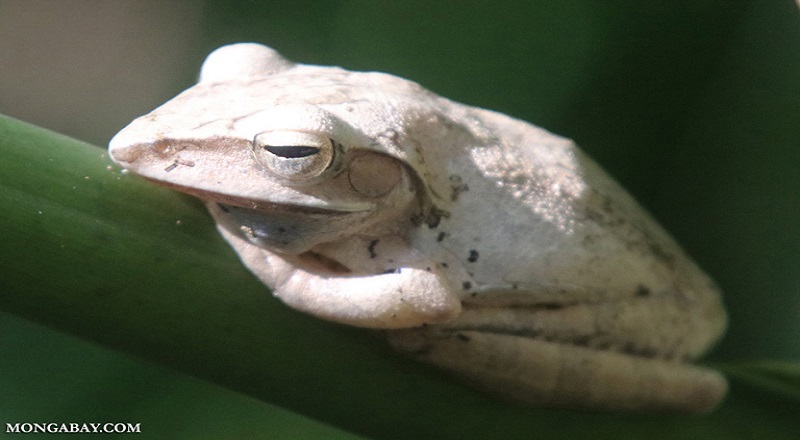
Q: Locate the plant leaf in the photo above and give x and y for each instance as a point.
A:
(780, 378)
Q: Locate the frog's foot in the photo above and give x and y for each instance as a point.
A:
(542, 373)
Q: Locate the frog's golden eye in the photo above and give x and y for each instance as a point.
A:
(294, 155)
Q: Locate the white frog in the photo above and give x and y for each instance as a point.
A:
(480, 243)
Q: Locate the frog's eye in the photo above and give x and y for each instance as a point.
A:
(294, 155)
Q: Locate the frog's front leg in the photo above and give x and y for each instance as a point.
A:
(401, 299)
(404, 298)
(531, 370)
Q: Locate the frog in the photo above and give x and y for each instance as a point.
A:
(477, 242)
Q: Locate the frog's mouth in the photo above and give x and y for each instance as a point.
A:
(298, 202)
(285, 228)
(290, 228)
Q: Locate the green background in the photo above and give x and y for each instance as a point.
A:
(691, 105)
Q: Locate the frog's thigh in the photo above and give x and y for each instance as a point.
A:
(557, 375)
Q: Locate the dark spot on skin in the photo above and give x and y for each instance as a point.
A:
(466, 285)
(434, 217)
(514, 286)
(601, 210)
(628, 347)
(594, 216)
(474, 294)
(444, 265)
(186, 163)
(473, 256)
(602, 345)
(607, 206)
(416, 219)
(388, 271)
(642, 290)
(462, 337)
(441, 236)
(581, 342)
(632, 349)
(666, 257)
(457, 186)
(371, 248)
(552, 306)
(647, 352)
(281, 229)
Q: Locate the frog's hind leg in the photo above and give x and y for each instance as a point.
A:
(542, 373)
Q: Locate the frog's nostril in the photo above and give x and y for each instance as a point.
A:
(168, 147)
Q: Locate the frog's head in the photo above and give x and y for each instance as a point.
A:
(275, 145)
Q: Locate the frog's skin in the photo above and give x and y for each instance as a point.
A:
(485, 245)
